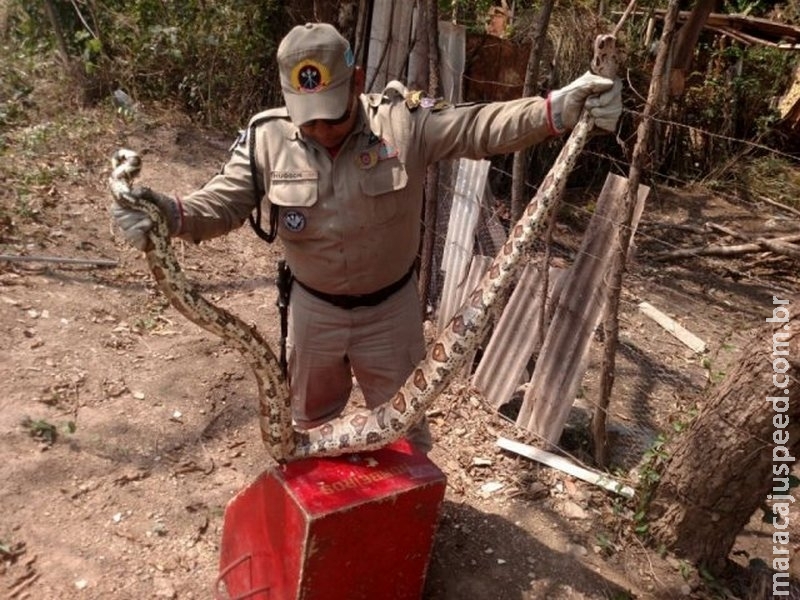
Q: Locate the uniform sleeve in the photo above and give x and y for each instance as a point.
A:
(224, 203)
(480, 130)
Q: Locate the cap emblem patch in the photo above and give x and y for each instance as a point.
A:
(309, 76)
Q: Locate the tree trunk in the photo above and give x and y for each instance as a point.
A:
(431, 18)
(520, 165)
(737, 451)
(686, 42)
(58, 32)
(654, 105)
(690, 33)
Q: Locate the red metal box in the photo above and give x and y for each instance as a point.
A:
(347, 528)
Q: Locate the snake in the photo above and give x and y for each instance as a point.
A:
(359, 430)
(275, 418)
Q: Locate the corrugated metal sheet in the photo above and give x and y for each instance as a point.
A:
(564, 356)
(458, 249)
(514, 340)
(452, 55)
(390, 35)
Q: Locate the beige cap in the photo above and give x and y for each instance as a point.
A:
(316, 66)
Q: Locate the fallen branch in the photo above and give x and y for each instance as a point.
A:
(90, 262)
(781, 245)
(765, 259)
(562, 464)
(725, 230)
(780, 205)
(679, 226)
(29, 576)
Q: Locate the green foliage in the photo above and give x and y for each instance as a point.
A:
(728, 98)
(470, 13)
(215, 60)
(605, 543)
(751, 8)
(683, 420)
(731, 93)
(41, 429)
(686, 570)
(653, 462)
(29, 26)
(46, 431)
(15, 89)
(770, 176)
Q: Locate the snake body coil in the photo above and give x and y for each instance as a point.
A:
(359, 430)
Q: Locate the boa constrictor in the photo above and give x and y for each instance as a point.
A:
(364, 429)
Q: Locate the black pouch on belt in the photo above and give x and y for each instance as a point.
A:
(284, 285)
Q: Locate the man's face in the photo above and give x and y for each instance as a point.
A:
(331, 133)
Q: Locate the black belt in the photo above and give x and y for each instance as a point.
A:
(350, 302)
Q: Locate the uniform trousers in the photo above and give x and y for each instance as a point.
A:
(327, 346)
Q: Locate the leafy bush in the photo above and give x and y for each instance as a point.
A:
(216, 60)
(735, 94)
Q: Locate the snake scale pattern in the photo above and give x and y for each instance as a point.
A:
(359, 430)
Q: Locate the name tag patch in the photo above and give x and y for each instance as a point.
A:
(293, 175)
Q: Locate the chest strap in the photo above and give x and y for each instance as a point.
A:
(350, 302)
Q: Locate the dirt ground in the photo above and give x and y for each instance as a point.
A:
(125, 429)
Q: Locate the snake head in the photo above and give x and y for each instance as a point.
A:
(607, 56)
(126, 165)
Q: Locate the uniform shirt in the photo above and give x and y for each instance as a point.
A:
(350, 223)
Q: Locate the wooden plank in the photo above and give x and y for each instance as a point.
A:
(514, 339)
(567, 466)
(673, 327)
(769, 31)
(565, 353)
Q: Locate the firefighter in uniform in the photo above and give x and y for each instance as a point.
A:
(340, 174)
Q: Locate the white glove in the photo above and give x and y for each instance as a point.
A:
(135, 224)
(601, 96)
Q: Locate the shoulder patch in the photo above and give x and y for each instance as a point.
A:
(417, 99)
(413, 99)
(241, 138)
